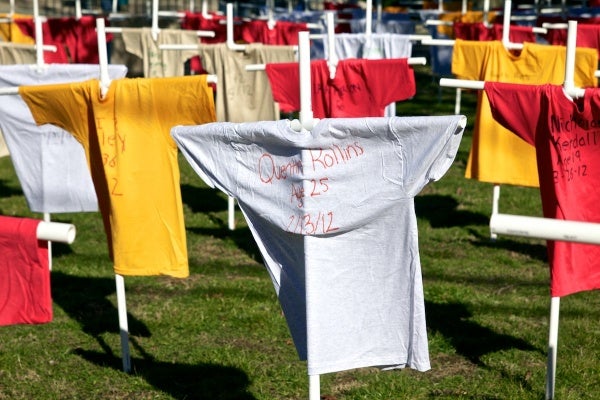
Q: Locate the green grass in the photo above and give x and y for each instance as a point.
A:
(220, 334)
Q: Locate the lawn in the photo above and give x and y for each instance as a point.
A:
(220, 334)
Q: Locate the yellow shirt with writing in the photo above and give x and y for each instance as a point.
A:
(133, 159)
(497, 155)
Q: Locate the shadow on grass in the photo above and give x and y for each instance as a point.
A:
(182, 381)
(8, 190)
(471, 340)
(203, 200)
(442, 212)
(85, 301)
(536, 251)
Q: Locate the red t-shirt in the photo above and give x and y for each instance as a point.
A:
(24, 266)
(76, 40)
(360, 88)
(588, 35)
(283, 33)
(566, 135)
(198, 22)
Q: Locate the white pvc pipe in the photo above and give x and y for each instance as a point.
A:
(369, 19)
(39, 41)
(47, 219)
(56, 232)
(314, 387)
(506, 22)
(204, 8)
(570, 55)
(103, 57)
(155, 30)
(545, 228)
(461, 83)
(457, 100)
(552, 347)
(306, 113)
(123, 324)
(438, 42)
(230, 40)
(332, 58)
(78, 9)
(231, 212)
(495, 203)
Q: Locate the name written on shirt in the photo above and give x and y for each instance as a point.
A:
(321, 161)
(573, 138)
(112, 144)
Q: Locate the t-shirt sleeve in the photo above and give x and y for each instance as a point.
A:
(586, 63)
(207, 149)
(428, 146)
(62, 105)
(132, 39)
(184, 100)
(467, 58)
(285, 85)
(516, 107)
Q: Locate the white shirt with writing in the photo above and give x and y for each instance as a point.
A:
(332, 211)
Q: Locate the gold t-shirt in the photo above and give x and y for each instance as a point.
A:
(497, 155)
(133, 159)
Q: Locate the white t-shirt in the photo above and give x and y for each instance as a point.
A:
(49, 162)
(374, 46)
(332, 211)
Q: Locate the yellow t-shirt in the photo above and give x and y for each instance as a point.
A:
(497, 155)
(468, 17)
(133, 159)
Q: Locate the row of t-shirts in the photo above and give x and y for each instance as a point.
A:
(373, 46)
(566, 137)
(332, 212)
(75, 39)
(243, 95)
(360, 88)
(384, 25)
(132, 158)
(276, 32)
(496, 155)
(159, 63)
(25, 296)
(50, 164)
(588, 35)
(480, 31)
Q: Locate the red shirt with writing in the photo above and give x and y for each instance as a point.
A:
(360, 87)
(566, 135)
